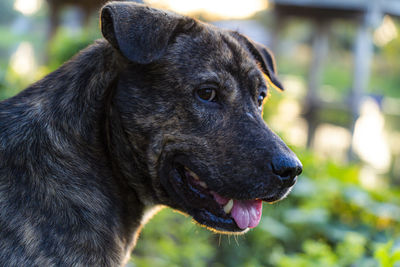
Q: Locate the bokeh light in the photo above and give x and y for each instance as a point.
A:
(27, 7)
(23, 60)
(219, 9)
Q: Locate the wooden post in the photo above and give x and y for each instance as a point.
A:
(278, 26)
(319, 52)
(363, 52)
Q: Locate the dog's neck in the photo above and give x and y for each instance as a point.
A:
(103, 122)
(85, 128)
(81, 88)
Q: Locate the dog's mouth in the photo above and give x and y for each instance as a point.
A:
(209, 208)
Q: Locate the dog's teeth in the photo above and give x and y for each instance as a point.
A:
(228, 206)
(194, 176)
(202, 184)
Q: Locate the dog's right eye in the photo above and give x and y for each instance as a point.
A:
(207, 94)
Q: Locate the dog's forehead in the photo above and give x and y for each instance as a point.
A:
(214, 51)
(217, 46)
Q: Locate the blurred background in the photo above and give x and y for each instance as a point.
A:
(339, 61)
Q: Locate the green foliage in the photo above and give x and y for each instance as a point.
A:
(66, 44)
(3, 84)
(7, 41)
(385, 78)
(63, 47)
(338, 75)
(8, 82)
(386, 255)
(172, 240)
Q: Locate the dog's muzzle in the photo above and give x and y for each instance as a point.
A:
(191, 194)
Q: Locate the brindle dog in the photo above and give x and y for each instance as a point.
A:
(165, 111)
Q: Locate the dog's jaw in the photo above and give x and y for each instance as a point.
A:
(190, 194)
(186, 195)
(246, 213)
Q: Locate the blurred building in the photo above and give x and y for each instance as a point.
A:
(368, 140)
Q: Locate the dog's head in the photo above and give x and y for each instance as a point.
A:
(191, 98)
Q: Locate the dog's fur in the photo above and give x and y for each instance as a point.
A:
(89, 149)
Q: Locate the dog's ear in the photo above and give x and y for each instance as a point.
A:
(140, 33)
(268, 65)
(264, 57)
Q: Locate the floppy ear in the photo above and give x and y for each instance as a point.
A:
(269, 61)
(265, 58)
(140, 33)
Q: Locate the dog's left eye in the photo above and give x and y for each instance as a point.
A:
(260, 99)
(207, 94)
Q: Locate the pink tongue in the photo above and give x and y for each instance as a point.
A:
(246, 213)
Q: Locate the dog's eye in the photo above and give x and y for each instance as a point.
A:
(207, 94)
(260, 99)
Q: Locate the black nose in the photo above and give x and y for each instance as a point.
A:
(287, 168)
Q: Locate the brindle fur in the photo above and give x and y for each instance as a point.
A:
(83, 151)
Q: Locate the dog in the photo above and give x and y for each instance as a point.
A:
(165, 110)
